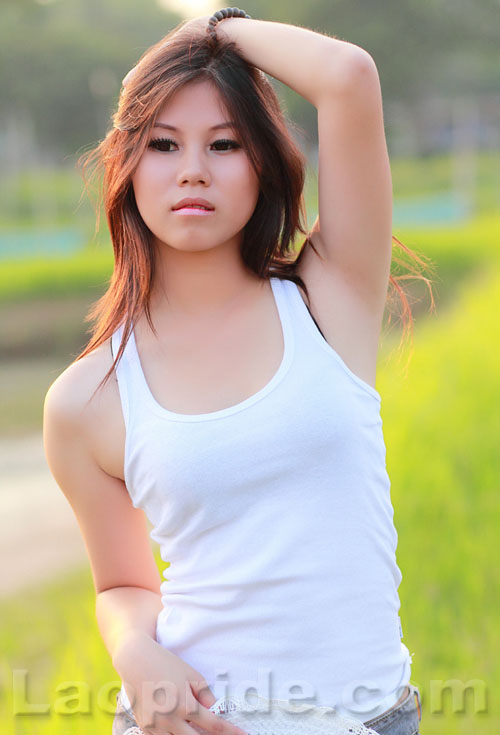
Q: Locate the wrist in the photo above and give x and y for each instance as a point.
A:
(125, 649)
(225, 23)
(224, 16)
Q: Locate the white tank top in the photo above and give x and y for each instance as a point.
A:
(275, 515)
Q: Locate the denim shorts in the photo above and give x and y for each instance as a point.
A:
(403, 719)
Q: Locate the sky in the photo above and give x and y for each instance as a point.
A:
(190, 8)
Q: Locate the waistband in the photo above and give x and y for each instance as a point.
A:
(362, 714)
(408, 712)
(407, 715)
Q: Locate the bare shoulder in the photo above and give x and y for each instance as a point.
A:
(70, 396)
(75, 403)
(76, 420)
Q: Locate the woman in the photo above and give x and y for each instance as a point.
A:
(242, 417)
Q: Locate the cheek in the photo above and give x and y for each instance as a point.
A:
(145, 178)
(243, 181)
(146, 185)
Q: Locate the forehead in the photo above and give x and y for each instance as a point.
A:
(197, 104)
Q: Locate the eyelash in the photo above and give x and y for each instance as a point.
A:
(158, 141)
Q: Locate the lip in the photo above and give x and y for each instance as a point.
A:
(194, 212)
(190, 201)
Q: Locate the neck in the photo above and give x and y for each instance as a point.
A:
(200, 284)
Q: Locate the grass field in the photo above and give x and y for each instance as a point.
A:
(441, 425)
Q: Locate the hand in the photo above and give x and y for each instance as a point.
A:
(165, 692)
(196, 25)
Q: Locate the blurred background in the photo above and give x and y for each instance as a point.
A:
(61, 65)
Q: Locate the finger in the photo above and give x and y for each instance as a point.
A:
(213, 723)
(206, 719)
(182, 728)
(202, 692)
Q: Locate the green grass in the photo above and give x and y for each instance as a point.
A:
(434, 174)
(441, 424)
(87, 271)
(44, 196)
(57, 641)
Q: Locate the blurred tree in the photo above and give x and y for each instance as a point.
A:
(62, 63)
(421, 47)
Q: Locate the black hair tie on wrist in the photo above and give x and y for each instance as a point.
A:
(220, 15)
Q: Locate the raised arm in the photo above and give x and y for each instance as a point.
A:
(354, 225)
(306, 61)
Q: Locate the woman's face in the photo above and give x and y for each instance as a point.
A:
(193, 161)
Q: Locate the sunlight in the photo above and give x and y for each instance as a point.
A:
(189, 8)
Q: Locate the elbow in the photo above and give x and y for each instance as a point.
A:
(351, 68)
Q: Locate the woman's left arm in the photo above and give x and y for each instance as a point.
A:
(353, 230)
(302, 59)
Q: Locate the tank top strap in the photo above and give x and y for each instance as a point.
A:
(302, 316)
(297, 305)
(280, 289)
(126, 374)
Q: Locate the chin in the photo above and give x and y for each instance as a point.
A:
(188, 245)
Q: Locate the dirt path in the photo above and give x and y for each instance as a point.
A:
(39, 534)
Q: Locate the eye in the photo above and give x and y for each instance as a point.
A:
(231, 143)
(161, 144)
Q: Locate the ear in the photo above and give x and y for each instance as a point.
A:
(126, 79)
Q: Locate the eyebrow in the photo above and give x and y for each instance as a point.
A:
(219, 126)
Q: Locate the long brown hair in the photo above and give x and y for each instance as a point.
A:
(268, 238)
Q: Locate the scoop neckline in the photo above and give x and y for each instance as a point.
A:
(277, 288)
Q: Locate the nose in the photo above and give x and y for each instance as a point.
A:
(193, 168)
